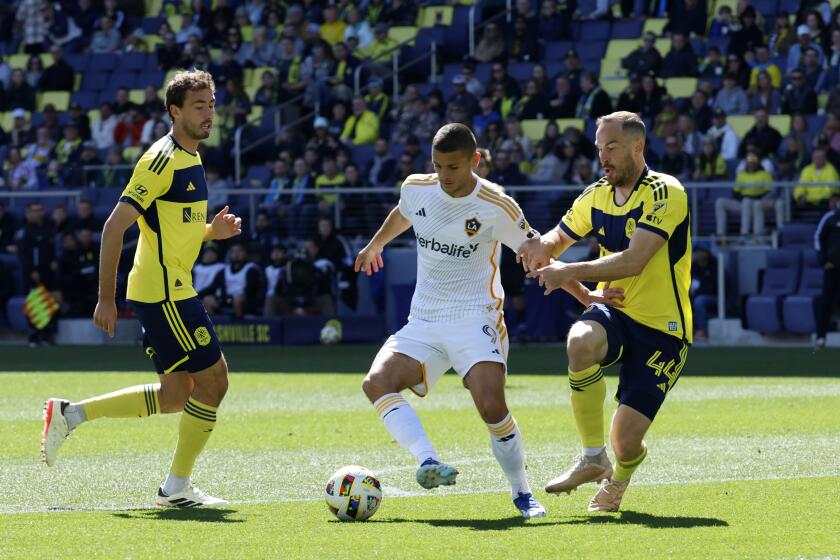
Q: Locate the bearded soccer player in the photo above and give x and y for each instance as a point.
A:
(456, 316)
(167, 196)
(642, 223)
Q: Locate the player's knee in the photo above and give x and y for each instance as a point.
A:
(173, 397)
(584, 346)
(626, 446)
(492, 410)
(376, 384)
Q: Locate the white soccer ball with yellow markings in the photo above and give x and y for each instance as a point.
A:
(353, 493)
(331, 332)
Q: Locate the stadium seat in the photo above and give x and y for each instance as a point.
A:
(767, 8)
(591, 50)
(104, 62)
(151, 25)
(556, 50)
(133, 61)
(121, 78)
(520, 71)
(663, 46)
(741, 124)
(406, 34)
(615, 86)
(592, 31)
(619, 48)
(655, 26)
(257, 177)
(79, 61)
(431, 16)
(721, 43)
(781, 278)
(799, 310)
(797, 236)
(781, 123)
(626, 29)
(174, 23)
(681, 87)
(147, 78)
(790, 6)
(14, 314)
(137, 96)
(534, 128)
(95, 81)
(362, 155)
(611, 68)
(13, 272)
(86, 99)
(132, 153)
(58, 99)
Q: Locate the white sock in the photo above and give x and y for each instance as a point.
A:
(593, 451)
(506, 441)
(175, 484)
(75, 415)
(404, 426)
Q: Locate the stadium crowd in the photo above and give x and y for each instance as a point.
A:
(301, 58)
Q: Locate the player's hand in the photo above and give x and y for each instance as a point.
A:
(105, 317)
(607, 296)
(534, 254)
(552, 277)
(225, 225)
(369, 259)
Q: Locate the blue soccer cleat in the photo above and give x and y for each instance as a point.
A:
(528, 506)
(432, 474)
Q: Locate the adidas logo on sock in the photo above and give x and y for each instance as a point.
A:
(421, 213)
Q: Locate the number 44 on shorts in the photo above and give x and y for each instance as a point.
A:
(671, 369)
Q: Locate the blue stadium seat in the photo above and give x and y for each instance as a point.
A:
(799, 310)
(797, 236)
(151, 25)
(152, 78)
(520, 71)
(133, 61)
(781, 278)
(591, 50)
(14, 314)
(86, 99)
(79, 61)
(556, 50)
(591, 30)
(456, 43)
(626, 29)
(768, 8)
(789, 6)
(104, 62)
(698, 44)
(95, 81)
(13, 271)
(122, 78)
(720, 42)
(362, 155)
(257, 177)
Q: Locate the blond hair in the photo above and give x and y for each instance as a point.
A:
(631, 123)
(184, 81)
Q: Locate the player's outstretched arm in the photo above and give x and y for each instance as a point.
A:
(369, 259)
(537, 252)
(121, 218)
(223, 226)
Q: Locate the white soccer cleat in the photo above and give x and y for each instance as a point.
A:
(55, 429)
(528, 506)
(432, 474)
(190, 496)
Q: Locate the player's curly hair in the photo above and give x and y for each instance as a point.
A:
(182, 82)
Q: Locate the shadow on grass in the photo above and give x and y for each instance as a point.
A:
(624, 518)
(207, 515)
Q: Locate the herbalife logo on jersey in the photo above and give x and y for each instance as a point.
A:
(451, 249)
(194, 217)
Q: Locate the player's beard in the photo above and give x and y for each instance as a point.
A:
(620, 175)
(198, 133)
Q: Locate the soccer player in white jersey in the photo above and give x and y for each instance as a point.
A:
(456, 316)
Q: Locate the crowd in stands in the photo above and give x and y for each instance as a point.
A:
(762, 106)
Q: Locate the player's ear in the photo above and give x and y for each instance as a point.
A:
(476, 158)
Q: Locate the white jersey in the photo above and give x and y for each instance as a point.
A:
(458, 247)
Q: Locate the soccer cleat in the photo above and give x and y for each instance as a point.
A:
(190, 496)
(609, 495)
(55, 429)
(528, 506)
(432, 474)
(586, 469)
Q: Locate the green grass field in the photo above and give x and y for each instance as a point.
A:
(739, 467)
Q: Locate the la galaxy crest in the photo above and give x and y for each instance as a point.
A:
(472, 226)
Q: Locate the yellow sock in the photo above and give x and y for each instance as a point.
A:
(588, 392)
(624, 470)
(197, 423)
(141, 400)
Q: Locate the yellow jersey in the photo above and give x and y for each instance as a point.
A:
(658, 297)
(169, 190)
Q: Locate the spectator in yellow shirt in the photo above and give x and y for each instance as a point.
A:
(763, 62)
(329, 179)
(363, 125)
(332, 30)
(818, 170)
(750, 201)
(380, 51)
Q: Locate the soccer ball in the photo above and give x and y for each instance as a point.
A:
(353, 493)
(332, 331)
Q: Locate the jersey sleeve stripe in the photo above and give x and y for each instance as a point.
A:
(569, 231)
(654, 229)
(511, 206)
(499, 204)
(420, 184)
(129, 200)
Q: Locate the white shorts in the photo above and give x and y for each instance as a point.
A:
(458, 344)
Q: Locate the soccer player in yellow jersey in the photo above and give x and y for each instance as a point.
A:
(167, 196)
(642, 223)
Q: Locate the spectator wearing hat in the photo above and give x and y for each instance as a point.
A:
(21, 133)
(572, 69)
(731, 98)
(376, 99)
(687, 18)
(748, 37)
(89, 157)
(797, 50)
(68, 150)
(723, 135)
(645, 59)
(631, 98)
(594, 102)
(798, 97)
(362, 127)
(820, 169)
(59, 76)
(462, 97)
(324, 142)
(680, 60)
(750, 201)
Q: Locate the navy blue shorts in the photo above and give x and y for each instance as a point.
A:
(178, 335)
(651, 361)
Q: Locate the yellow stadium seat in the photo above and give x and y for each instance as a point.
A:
(47, 59)
(256, 113)
(152, 41)
(655, 26)
(153, 7)
(137, 96)
(215, 138)
(563, 124)
(174, 23)
(611, 68)
(822, 99)
(251, 91)
(681, 87)
(247, 33)
(169, 75)
(435, 15)
(6, 120)
(132, 153)
(59, 99)
(663, 46)
(619, 48)
(534, 128)
(17, 61)
(403, 34)
(77, 81)
(781, 123)
(254, 77)
(216, 54)
(615, 86)
(741, 123)
(94, 116)
(731, 3)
